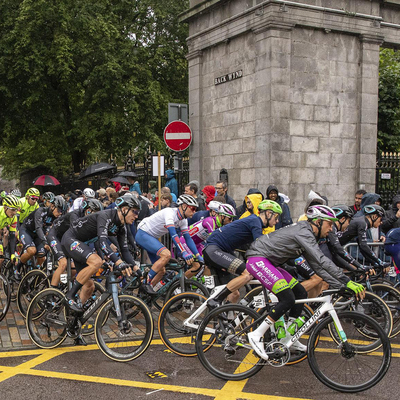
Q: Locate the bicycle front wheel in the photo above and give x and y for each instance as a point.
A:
(5, 296)
(351, 366)
(128, 339)
(222, 345)
(179, 338)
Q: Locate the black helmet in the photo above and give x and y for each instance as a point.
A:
(92, 204)
(60, 203)
(341, 210)
(374, 209)
(49, 196)
(128, 200)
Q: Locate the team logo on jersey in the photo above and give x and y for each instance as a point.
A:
(53, 243)
(74, 245)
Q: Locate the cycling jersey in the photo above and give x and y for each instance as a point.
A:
(358, 229)
(199, 232)
(292, 241)
(39, 222)
(76, 204)
(6, 221)
(26, 209)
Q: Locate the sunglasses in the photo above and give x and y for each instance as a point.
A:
(136, 212)
(35, 198)
(193, 208)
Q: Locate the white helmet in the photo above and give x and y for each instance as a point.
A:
(187, 199)
(214, 205)
(89, 193)
(227, 210)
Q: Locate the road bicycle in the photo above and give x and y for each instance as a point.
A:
(123, 327)
(341, 351)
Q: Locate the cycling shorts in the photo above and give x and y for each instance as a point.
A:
(57, 249)
(77, 250)
(30, 239)
(152, 245)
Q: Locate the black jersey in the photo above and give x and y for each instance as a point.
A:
(39, 222)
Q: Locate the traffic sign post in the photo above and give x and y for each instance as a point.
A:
(178, 137)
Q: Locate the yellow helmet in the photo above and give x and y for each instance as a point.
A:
(32, 192)
(11, 201)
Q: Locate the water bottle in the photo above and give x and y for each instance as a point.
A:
(159, 285)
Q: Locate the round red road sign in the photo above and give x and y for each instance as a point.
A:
(177, 136)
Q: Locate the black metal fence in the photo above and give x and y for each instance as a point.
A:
(387, 176)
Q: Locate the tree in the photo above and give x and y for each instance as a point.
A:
(389, 101)
(82, 79)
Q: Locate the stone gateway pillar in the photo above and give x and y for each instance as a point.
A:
(286, 93)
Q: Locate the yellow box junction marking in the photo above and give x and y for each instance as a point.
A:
(230, 391)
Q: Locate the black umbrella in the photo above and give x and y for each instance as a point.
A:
(96, 169)
(130, 174)
(120, 179)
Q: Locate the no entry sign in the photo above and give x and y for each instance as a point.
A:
(177, 136)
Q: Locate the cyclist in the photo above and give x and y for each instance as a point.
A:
(28, 204)
(157, 225)
(48, 198)
(371, 218)
(270, 251)
(213, 206)
(16, 193)
(8, 220)
(98, 227)
(60, 226)
(34, 230)
(221, 244)
(88, 193)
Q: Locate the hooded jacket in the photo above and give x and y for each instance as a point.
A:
(285, 218)
(367, 199)
(256, 199)
(390, 220)
(312, 198)
(242, 209)
(171, 182)
(209, 192)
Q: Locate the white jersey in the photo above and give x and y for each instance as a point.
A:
(77, 204)
(157, 224)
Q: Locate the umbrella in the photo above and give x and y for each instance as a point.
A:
(120, 179)
(127, 174)
(45, 180)
(96, 169)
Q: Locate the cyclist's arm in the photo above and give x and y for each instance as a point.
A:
(39, 225)
(103, 224)
(366, 251)
(123, 245)
(189, 242)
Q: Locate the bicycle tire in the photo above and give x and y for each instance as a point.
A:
(46, 319)
(219, 324)
(190, 286)
(391, 296)
(108, 334)
(176, 337)
(352, 366)
(31, 284)
(5, 296)
(375, 307)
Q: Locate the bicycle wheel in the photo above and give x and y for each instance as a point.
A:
(31, 284)
(128, 339)
(5, 296)
(371, 305)
(190, 286)
(230, 356)
(46, 319)
(177, 337)
(350, 366)
(391, 296)
(8, 272)
(88, 327)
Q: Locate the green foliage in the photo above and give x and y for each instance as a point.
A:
(389, 101)
(80, 80)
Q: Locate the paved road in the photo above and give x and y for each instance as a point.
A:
(85, 373)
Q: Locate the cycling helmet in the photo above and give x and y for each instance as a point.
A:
(270, 205)
(374, 209)
(11, 201)
(89, 193)
(214, 205)
(49, 196)
(187, 199)
(92, 204)
(32, 192)
(60, 203)
(128, 200)
(342, 210)
(321, 212)
(16, 193)
(226, 210)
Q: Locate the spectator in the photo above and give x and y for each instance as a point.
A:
(191, 189)
(209, 192)
(392, 216)
(368, 199)
(171, 182)
(166, 190)
(285, 218)
(222, 190)
(134, 185)
(113, 195)
(357, 200)
(242, 209)
(102, 195)
(313, 199)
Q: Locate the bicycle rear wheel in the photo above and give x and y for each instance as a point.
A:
(177, 337)
(128, 339)
(46, 319)
(31, 284)
(5, 296)
(222, 345)
(351, 366)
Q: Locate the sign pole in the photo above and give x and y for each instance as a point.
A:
(159, 179)
(179, 156)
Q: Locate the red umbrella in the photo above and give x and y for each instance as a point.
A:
(46, 180)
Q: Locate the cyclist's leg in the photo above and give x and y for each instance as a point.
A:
(59, 256)
(29, 246)
(40, 251)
